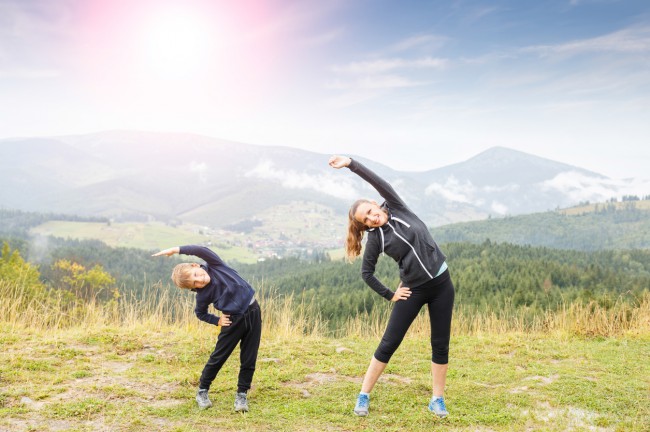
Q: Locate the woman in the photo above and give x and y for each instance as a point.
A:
(395, 230)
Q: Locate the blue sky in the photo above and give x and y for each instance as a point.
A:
(412, 84)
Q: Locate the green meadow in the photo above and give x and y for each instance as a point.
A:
(286, 227)
(146, 236)
(135, 369)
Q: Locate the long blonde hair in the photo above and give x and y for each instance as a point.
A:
(355, 232)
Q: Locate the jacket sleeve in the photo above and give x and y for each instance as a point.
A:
(212, 260)
(206, 254)
(370, 257)
(382, 186)
(201, 312)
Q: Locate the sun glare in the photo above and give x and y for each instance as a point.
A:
(177, 43)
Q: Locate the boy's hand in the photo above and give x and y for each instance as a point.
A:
(339, 161)
(224, 320)
(168, 252)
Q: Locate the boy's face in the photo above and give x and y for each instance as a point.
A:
(199, 278)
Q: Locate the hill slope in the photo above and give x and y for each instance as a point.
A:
(143, 176)
(596, 227)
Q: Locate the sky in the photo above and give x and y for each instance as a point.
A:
(415, 85)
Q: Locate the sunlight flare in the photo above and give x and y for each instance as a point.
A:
(176, 43)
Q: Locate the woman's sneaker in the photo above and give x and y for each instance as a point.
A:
(437, 406)
(241, 402)
(361, 408)
(202, 399)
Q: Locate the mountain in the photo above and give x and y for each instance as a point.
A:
(170, 177)
(502, 181)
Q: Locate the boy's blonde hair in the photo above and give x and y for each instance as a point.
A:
(181, 275)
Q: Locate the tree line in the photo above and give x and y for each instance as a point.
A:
(607, 227)
(487, 275)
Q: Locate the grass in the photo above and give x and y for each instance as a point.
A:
(139, 378)
(135, 367)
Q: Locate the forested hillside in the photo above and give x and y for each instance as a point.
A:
(605, 226)
(488, 276)
(16, 223)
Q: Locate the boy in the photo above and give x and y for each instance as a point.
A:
(218, 284)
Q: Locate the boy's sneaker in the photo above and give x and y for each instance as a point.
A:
(437, 406)
(202, 399)
(241, 402)
(361, 408)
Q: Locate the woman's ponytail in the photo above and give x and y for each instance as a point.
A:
(355, 232)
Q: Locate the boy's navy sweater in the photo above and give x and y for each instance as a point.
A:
(227, 291)
(404, 237)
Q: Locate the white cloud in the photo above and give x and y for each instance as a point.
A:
(334, 186)
(453, 190)
(504, 188)
(636, 187)
(200, 168)
(499, 208)
(385, 82)
(374, 82)
(385, 65)
(350, 98)
(581, 2)
(427, 41)
(629, 40)
(610, 64)
(364, 81)
(39, 247)
(479, 12)
(580, 187)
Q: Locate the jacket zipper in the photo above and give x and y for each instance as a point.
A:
(412, 248)
(402, 222)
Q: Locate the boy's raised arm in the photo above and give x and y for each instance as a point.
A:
(202, 252)
(205, 253)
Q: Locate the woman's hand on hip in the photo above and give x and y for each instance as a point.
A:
(339, 161)
(402, 293)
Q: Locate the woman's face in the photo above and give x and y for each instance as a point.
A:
(370, 214)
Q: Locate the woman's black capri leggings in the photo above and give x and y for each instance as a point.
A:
(438, 294)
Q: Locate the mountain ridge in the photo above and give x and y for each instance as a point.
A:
(165, 176)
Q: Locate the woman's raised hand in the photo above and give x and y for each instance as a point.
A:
(339, 161)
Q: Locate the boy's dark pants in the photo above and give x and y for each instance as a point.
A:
(246, 328)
